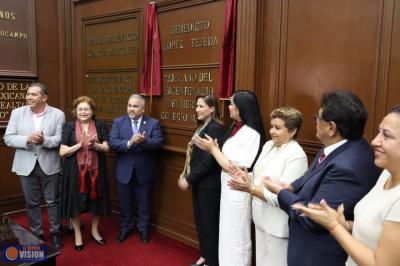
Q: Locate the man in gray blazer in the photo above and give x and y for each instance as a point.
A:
(34, 131)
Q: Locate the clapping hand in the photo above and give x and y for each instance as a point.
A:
(240, 180)
(323, 214)
(93, 141)
(138, 138)
(235, 170)
(206, 143)
(83, 139)
(275, 186)
(36, 138)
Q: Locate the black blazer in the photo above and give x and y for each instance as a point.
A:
(204, 170)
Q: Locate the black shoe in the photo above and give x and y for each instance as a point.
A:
(195, 264)
(78, 247)
(144, 236)
(123, 235)
(55, 238)
(101, 241)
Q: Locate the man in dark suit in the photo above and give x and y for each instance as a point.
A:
(342, 172)
(135, 137)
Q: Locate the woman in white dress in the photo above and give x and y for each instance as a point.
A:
(244, 142)
(376, 228)
(282, 159)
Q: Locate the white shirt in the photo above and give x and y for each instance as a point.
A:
(331, 148)
(139, 121)
(370, 213)
(38, 118)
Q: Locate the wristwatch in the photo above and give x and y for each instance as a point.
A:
(252, 189)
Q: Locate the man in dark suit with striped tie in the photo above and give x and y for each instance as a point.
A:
(135, 137)
(342, 172)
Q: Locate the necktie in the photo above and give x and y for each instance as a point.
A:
(135, 128)
(321, 157)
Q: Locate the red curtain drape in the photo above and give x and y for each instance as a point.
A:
(151, 75)
(227, 69)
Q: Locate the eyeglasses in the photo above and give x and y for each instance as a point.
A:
(318, 118)
(133, 106)
(81, 109)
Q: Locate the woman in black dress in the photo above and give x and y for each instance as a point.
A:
(203, 174)
(85, 185)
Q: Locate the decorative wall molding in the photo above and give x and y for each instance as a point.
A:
(18, 34)
(246, 44)
(168, 5)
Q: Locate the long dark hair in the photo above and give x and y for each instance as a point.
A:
(250, 114)
(210, 101)
(249, 111)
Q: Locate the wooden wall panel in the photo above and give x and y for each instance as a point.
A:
(267, 77)
(193, 30)
(315, 46)
(191, 35)
(329, 45)
(289, 52)
(190, 64)
(173, 214)
(88, 12)
(48, 50)
(111, 48)
(17, 24)
(246, 44)
(48, 71)
(11, 197)
(393, 79)
(12, 95)
(109, 79)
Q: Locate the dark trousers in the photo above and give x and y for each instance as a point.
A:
(127, 193)
(206, 215)
(31, 185)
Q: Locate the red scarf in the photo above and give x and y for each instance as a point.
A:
(236, 127)
(88, 159)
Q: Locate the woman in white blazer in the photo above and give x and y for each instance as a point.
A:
(283, 160)
(243, 143)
